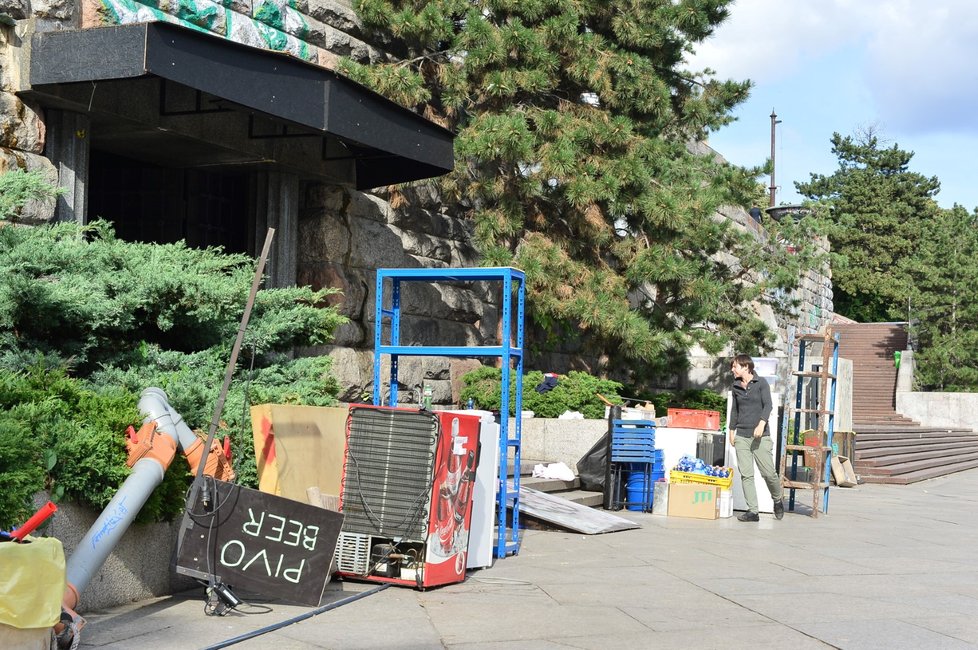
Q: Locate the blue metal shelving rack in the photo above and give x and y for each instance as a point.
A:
(507, 532)
(822, 412)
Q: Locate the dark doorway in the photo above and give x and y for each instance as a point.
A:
(149, 203)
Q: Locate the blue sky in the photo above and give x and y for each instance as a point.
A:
(906, 68)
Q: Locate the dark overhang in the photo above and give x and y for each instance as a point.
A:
(387, 143)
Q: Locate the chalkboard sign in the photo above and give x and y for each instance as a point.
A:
(260, 543)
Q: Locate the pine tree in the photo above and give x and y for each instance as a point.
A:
(575, 120)
(878, 208)
(943, 307)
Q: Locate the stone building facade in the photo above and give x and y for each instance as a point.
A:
(165, 158)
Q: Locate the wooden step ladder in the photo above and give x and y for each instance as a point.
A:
(817, 409)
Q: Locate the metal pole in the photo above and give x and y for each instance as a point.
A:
(774, 188)
(198, 482)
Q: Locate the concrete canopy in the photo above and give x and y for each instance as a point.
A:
(171, 95)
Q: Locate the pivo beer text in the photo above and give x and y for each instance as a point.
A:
(292, 534)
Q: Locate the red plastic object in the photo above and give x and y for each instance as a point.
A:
(36, 520)
(694, 419)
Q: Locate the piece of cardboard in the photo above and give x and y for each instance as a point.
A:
(726, 504)
(660, 498)
(842, 472)
(694, 500)
(299, 447)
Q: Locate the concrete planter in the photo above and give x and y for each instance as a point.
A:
(138, 568)
(563, 441)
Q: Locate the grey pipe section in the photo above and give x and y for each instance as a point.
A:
(154, 404)
(108, 529)
(146, 475)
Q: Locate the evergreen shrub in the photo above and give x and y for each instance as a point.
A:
(87, 321)
(575, 391)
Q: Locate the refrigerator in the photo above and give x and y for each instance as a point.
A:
(406, 495)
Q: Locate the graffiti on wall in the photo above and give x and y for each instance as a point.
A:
(268, 24)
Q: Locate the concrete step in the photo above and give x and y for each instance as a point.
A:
(526, 465)
(549, 484)
(911, 466)
(870, 346)
(583, 497)
(901, 458)
(882, 448)
(917, 432)
(569, 490)
(871, 424)
(891, 448)
(867, 417)
(919, 475)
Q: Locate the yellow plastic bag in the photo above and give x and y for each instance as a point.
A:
(32, 582)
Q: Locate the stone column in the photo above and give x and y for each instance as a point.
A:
(277, 206)
(67, 147)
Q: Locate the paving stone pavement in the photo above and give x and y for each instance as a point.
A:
(887, 567)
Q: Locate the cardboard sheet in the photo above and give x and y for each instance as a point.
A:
(567, 514)
(299, 447)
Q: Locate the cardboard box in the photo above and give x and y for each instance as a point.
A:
(842, 472)
(844, 443)
(694, 500)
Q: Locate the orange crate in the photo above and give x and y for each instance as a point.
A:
(694, 419)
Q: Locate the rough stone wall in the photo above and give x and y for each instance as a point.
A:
(814, 293)
(22, 132)
(138, 567)
(345, 235)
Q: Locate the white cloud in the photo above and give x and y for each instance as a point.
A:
(917, 60)
(922, 66)
(768, 40)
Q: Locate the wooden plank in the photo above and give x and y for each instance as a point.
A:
(800, 485)
(567, 514)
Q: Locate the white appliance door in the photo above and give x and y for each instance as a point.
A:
(484, 494)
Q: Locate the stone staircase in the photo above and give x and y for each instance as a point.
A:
(871, 346)
(907, 454)
(891, 448)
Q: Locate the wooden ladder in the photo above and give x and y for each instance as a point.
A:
(813, 443)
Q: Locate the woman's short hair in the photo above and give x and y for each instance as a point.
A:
(744, 361)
